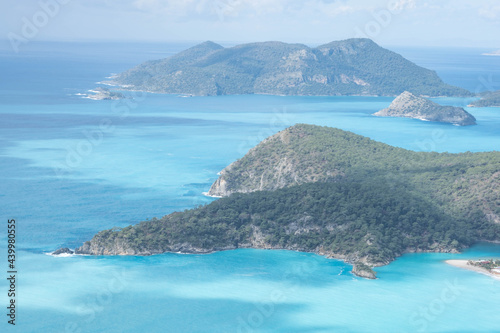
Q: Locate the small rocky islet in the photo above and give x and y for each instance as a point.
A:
(410, 106)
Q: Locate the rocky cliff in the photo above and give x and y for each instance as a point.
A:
(300, 154)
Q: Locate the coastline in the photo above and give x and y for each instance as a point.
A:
(463, 264)
(129, 87)
(211, 196)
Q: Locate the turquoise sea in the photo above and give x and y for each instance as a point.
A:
(70, 167)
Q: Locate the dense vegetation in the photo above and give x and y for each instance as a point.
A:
(306, 153)
(367, 221)
(488, 99)
(366, 201)
(350, 67)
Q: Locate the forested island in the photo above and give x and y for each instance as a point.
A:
(348, 67)
(410, 106)
(331, 192)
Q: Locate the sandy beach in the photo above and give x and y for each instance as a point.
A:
(463, 264)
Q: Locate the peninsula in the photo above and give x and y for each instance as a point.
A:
(328, 191)
(410, 106)
(348, 67)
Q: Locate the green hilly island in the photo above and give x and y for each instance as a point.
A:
(335, 193)
(348, 67)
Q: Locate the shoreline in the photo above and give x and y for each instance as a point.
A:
(129, 87)
(463, 264)
(211, 196)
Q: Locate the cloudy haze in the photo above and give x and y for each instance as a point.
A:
(389, 22)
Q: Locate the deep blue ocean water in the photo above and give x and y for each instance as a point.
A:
(70, 167)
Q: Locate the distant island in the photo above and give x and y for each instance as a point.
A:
(493, 53)
(490, 267)
(410, 106)
(100, 93)
(348, 67)
(331, 192)
(488, 99)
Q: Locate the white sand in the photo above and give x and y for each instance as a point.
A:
(463, 264)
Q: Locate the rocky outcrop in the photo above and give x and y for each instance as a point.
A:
(410, 106)
(279, 161)
(364, 271)
(122, 248)
(63, 250)
(100, 94)
(97, 247)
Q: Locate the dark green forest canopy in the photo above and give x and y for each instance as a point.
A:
(380, 202)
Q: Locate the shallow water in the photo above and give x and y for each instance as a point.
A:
(71, 167)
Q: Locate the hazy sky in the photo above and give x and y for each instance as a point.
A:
(389, 22)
